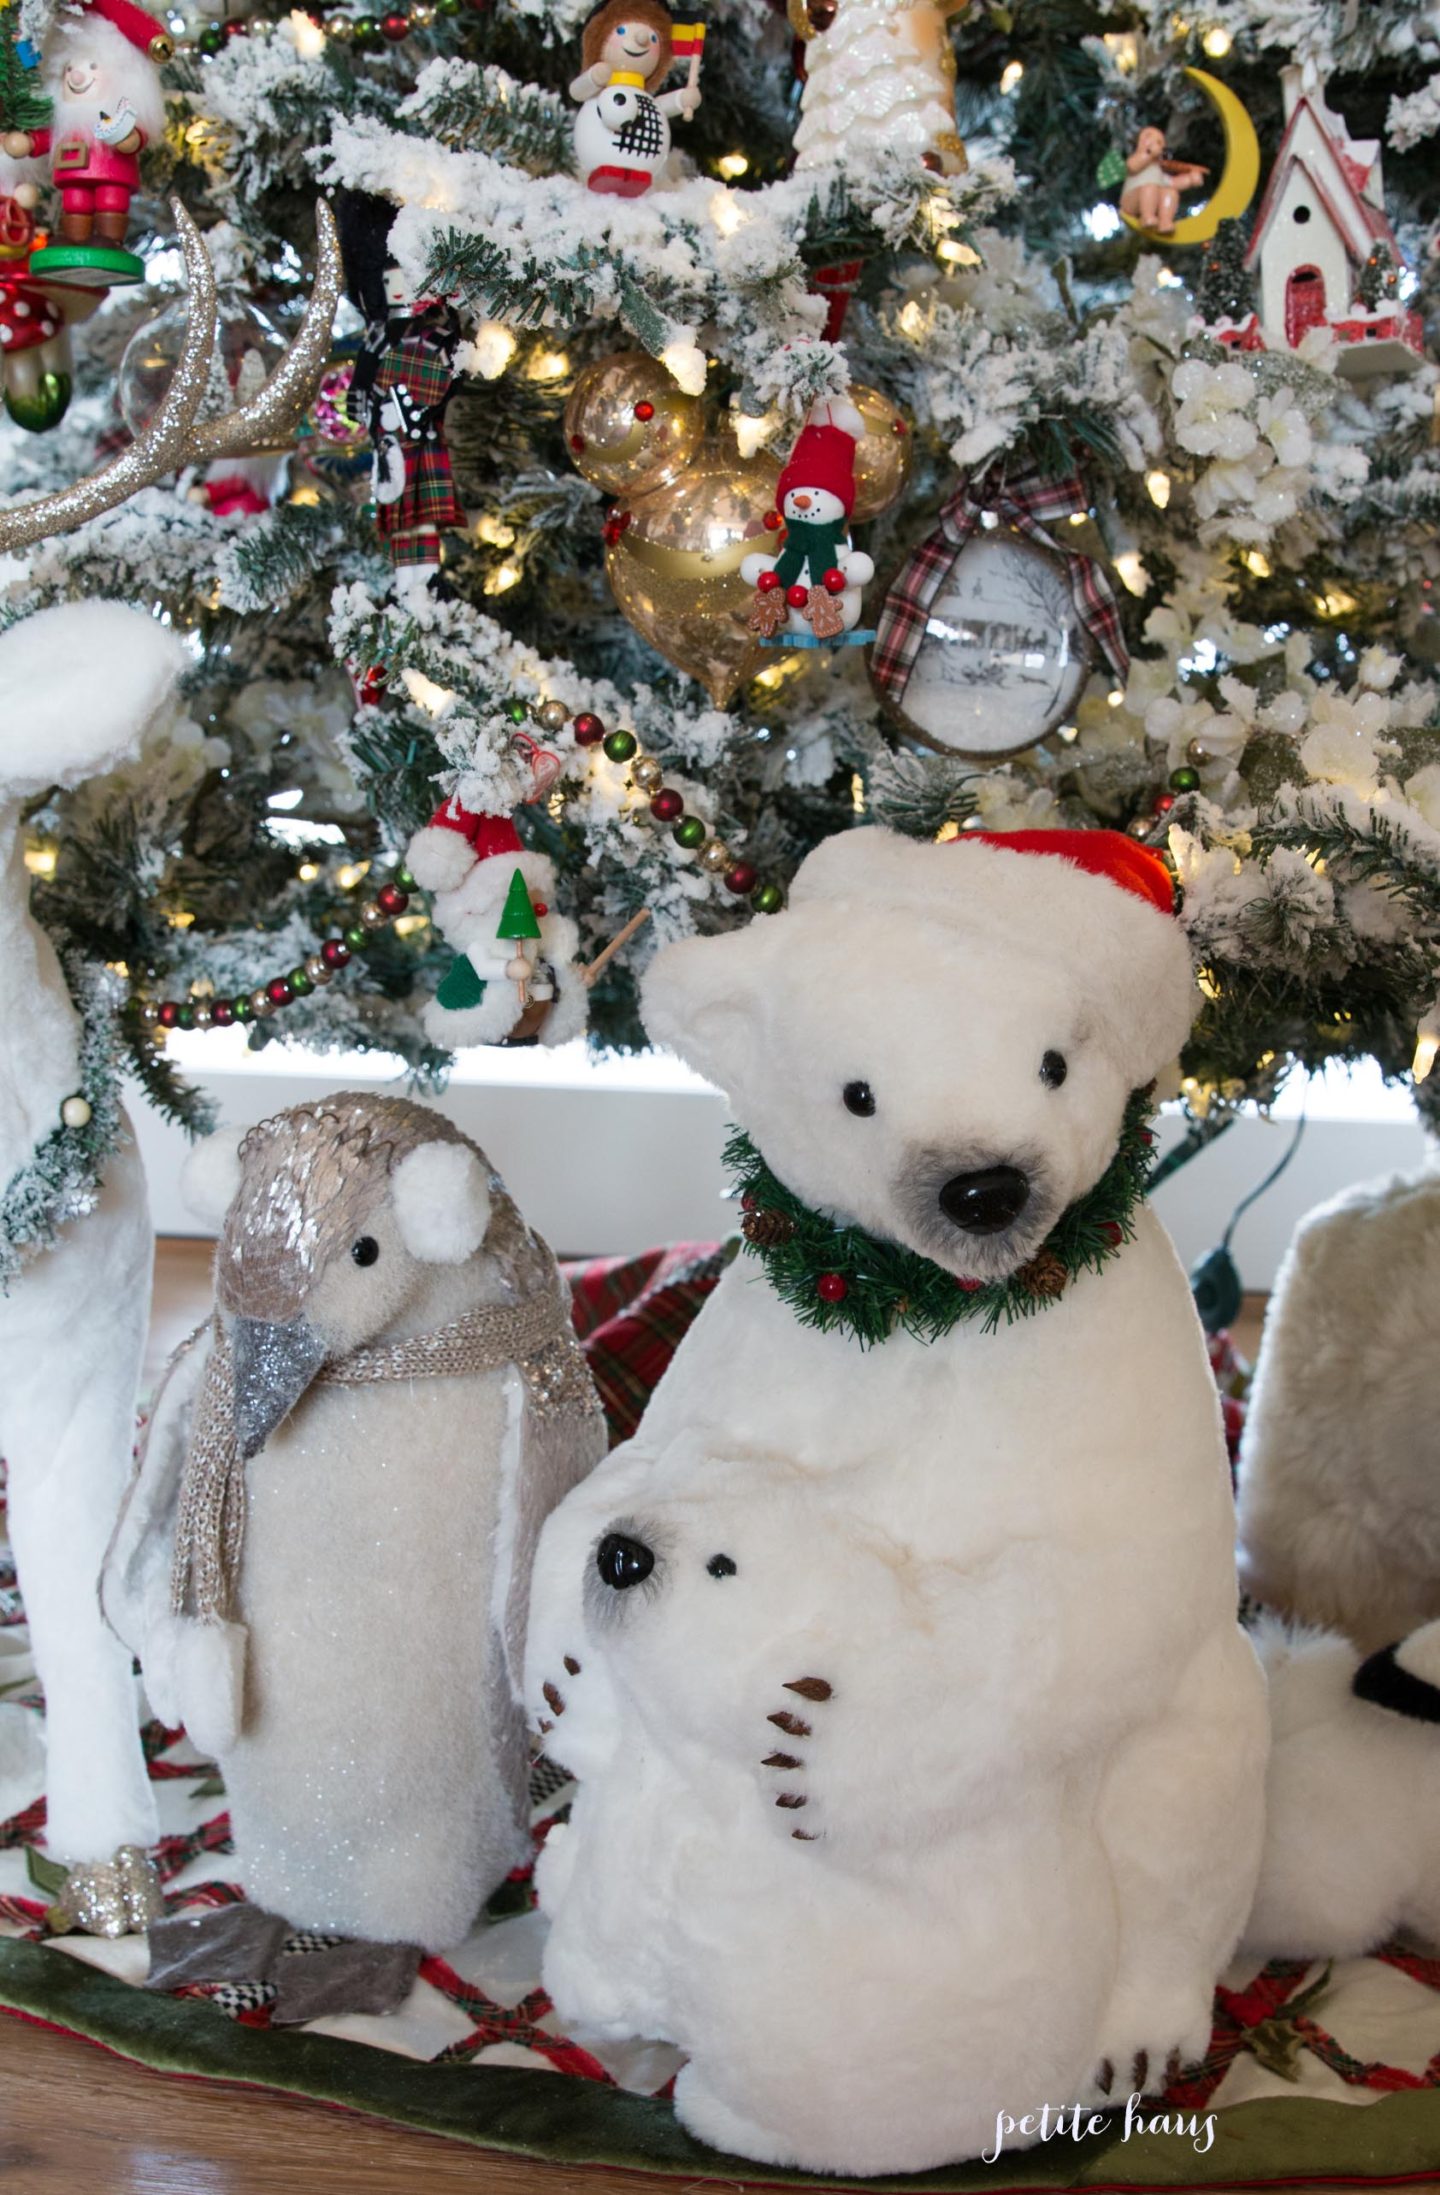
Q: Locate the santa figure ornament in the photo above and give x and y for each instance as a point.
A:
(100, 70)
(622, 132)
(811, 590)
(514, 978)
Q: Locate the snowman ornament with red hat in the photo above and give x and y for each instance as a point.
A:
(514, 978)
(100, 68)
(809, 594)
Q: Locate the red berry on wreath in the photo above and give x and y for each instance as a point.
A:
(773, 522)
(371, 685)
(832, 1288)
(645, 410)
(577, 444)
(668, 805)
(741, 879)
(768, 582)
(834, 581)
(797, 596)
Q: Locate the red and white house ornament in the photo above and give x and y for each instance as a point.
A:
(808, 594)
(1321, 225)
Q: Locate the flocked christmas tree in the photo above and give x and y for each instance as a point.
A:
(1241, 674)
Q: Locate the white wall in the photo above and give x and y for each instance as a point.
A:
(617, 1155)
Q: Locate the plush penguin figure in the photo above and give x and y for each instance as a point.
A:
(324, 1558)
(813, 586)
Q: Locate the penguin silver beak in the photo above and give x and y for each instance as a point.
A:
(273, 1363)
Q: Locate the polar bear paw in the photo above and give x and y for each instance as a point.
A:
(1142, 2051)
(787, 1766)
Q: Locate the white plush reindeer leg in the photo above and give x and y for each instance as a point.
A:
(78, 685)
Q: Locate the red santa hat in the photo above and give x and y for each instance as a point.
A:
(823, 457)
(142, 30)
(453, 841)
(1137, 869)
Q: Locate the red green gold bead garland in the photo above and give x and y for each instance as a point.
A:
(311, 974)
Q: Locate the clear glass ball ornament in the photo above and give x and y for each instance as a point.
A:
(248, 348)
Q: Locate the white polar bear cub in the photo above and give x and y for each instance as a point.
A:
(922, 1758)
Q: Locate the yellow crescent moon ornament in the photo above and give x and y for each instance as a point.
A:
(1238, 178)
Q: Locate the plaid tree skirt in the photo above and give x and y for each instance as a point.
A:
(1295, 2047)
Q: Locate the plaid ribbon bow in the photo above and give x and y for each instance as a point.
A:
(1025, 501)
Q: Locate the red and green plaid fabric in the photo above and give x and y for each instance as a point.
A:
(425, 373)
(631, 1315)
(428, 497)
(1022, 500)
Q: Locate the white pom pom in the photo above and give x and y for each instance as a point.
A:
(439, 858)
(210, 1177)
(442, 1202)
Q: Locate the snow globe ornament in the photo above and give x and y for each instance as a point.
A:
(808, 593)
(622, 132)
(248, 347)
(1002, 655)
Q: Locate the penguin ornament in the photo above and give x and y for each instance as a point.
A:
(622, 132)
(809, 595)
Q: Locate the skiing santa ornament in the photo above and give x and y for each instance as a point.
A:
(514, 979)
(622, 132)
(100, 70)
(811, 589)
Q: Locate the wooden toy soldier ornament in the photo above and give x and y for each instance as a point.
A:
(403, 379)
(622, 132)
(100, 70)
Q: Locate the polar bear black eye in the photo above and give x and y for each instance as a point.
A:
(721, 1566)
(1053, 1069)
(365, 1251)
(859, 1099)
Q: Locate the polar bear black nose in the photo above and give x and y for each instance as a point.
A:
(623, 1562)
(987, 1201)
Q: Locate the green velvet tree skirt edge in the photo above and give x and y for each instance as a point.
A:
(555, 2117)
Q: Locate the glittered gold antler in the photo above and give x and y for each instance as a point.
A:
(174, 438)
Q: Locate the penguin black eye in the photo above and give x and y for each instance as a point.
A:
(365, 1251)
(860, 1099)
(721, 1566)
(1053, 1069)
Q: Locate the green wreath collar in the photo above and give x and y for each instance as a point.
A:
(845, 1281)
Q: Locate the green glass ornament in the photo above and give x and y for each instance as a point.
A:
(516, 710)
(299, 982)
(447, 7)
(365, 33)
(355, 935)
(1185, 780)
(185, 1018)
(44, 406)
(690, 833)
(767, 899)
(620, 746)
(211, 39)
(405, 880)
(241, 1008)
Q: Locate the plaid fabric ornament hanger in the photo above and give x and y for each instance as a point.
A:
(1030, 501)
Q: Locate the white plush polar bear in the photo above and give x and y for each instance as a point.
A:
(923, 1759)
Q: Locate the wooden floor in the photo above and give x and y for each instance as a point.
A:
(76, 2121)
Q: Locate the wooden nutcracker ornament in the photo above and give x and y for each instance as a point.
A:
(622, 132)
(100, 69)
(403, 380)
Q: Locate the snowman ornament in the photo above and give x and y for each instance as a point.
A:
(622, 132)
(811, 591)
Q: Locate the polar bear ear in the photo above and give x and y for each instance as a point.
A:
(706, 998)
(210, 1177)
(442, 1202)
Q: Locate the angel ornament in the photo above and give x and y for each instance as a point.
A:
(622, 132)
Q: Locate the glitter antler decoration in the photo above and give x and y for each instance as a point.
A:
(175, 436)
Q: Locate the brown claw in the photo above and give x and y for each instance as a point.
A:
(553, 1699)
(1105, 2077)
(793, 1799)
(810, 1688)
(806, 1836)
(781, 1760)
(544, 1727)
(1173, 2068)
(1142, 2070)
(790, 1724)
(572, 1667)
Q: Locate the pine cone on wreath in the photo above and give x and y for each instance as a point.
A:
(1044, 1275)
